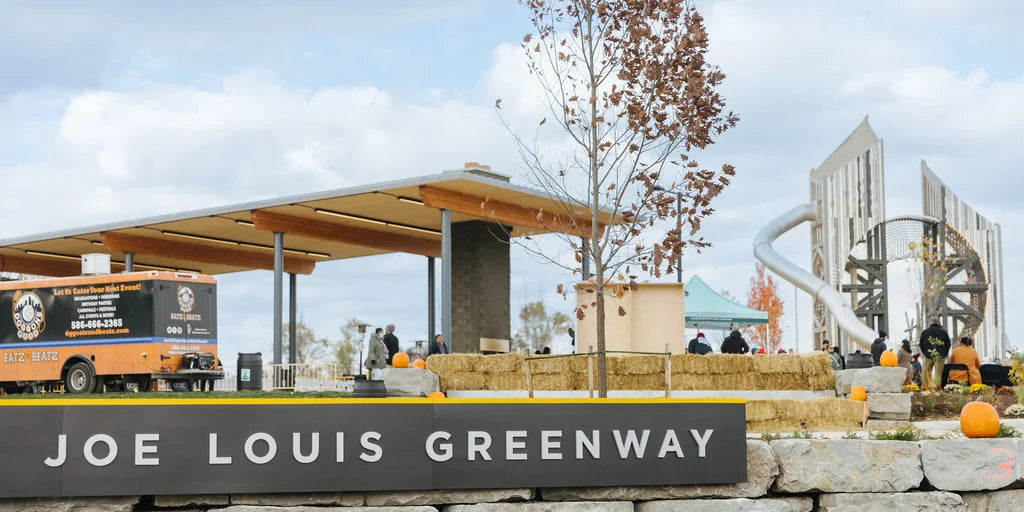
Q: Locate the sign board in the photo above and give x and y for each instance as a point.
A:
(129, 447)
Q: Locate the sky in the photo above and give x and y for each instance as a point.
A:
(112, 111)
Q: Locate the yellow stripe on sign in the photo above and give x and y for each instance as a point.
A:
(356, 401)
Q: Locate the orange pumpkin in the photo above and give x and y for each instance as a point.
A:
(436, 394)
(401, 360)
(888, 358)
(858, 393)
(419, 363)
(979, 419)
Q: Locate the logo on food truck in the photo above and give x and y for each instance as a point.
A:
(186, 299)
(29, 317)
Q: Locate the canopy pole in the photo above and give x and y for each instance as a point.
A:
(446, 277)
(278, 292)
(293, 348)
(129, 262)
(431, 290)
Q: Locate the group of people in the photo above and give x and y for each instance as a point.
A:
(732, 344)
(384, 347)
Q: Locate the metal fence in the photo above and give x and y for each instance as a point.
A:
(293, 377)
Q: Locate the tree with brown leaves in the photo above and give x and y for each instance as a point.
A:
(764, 296)
(628, 84)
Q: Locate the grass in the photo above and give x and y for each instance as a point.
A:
(1007, 431)
(164, 395)
(908, 433)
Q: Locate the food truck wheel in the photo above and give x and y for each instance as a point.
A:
(79, 379)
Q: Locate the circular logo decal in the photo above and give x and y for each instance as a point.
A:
(29, 318)
(186, 299)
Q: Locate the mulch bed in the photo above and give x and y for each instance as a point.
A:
(945, 405)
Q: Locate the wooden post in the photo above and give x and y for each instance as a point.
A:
(529, 373)
(590, 370)
(668, 371)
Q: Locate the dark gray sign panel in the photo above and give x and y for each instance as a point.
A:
(227, 446)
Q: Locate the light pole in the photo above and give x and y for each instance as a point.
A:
(679, 229)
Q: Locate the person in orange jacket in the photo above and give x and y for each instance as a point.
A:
(965, 354)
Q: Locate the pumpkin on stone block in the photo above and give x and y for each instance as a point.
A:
(436, 394)
(858, 393)
(979, 419)
(419, 363)
(401, 360)
(888, 358)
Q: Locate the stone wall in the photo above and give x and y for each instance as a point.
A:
(788, 475)
(480, 285)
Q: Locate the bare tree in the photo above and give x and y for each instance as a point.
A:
(627, 82)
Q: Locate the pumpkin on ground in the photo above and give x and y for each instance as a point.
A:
(436, 394)
(401, 360)
(419, 363)
(979, 419)
(888, 358)
(858, 393)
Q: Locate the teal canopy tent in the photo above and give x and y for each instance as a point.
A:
(706, 309)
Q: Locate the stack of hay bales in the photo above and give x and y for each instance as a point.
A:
(791, 415)
(642, 372)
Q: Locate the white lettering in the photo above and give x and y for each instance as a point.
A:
(550, 440)
(339, 448)
(512, 444)
(446, 448)
(592, 444)
(271, 448)
(478, 442)
(314, 449)
(670, 443)
(702, 441)
(214, 458)
(62, 452)
(141, 449)
(630, 444)
(371, 447)
(91, 443)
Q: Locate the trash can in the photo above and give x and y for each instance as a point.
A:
(855, 360)
(365, 388)
(250, 372)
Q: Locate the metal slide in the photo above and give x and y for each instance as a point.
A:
(832, 299)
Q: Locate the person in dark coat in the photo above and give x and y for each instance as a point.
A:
(734, 342)
(391, 342)
(878, 347)
(935, 347)
(699, 345)
(438, 346)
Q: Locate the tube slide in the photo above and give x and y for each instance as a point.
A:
(832, 299)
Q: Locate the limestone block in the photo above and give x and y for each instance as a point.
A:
(188, 500)
(730, 505)
(889, 402)
(341, 499)
(844, 379)
(761, 472)
(876, 425)
(1000, 501)
(846, 465)
(890, 416)
(263, 508)
(892, 502)
(410, 382)
(972, 464)
(880, 379)
(539, 506)
(118, 504)
(448, 497)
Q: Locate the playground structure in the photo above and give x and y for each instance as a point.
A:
(852, 243)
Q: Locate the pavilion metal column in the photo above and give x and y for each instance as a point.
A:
(129, 262)
(278, 292)
(431, 289)
(292, 346)
(446, 276)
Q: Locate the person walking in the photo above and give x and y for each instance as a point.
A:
(905, 359)
(878, 347)
(391, 342)
(935, 347)
(438, 346)
(966, 355)
(377, 355)
(699, 345)
(734, 342)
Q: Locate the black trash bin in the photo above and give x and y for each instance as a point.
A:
(855, 360)
(250, 372)
(365, 388)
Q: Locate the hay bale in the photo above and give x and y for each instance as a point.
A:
(821, 382)
(549, 381)
(771, 426)
(549, 364)
(724, 364)
(840, 411)
(796, 410)
(498, 363)
(578, 364)
(506, 381)
(690, 363)
(781, 381)
(778, 363)
(641, 365)
(816, 364)
(451, 363)
(636, 382)
(760, 410)
(462, 381)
